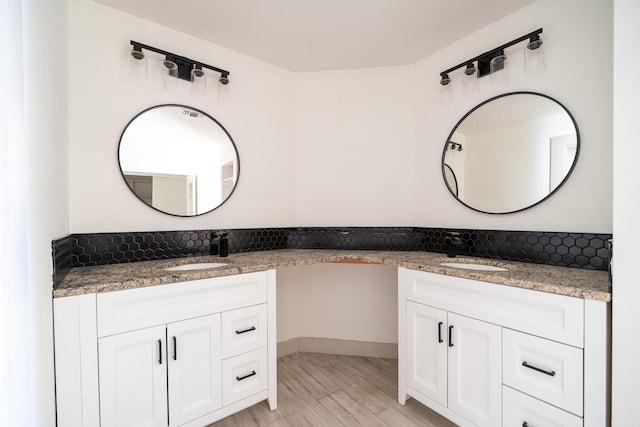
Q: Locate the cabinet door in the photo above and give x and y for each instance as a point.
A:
(475, 376)
(133, 379)
(427, 351)
(195, 384)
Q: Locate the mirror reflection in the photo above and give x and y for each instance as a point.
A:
(178, 160)
(510, 152)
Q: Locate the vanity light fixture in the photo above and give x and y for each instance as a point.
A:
(497, 62)
(199, 80)
(498, 71)
(534, 55)
(493, 60)
(138, 64)
(176, 67)
(169, 75)
(469, 80)
(534, 42)
(454, 146)
(471, 69)
(136, 52)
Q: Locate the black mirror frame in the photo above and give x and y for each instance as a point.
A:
(575, 160)
(211, 118)
(446, 168)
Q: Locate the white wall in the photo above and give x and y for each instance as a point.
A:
(626, 205)
(353, 148)
(357, 162)
(33, 202)
(338, 301)
(584, 202)
(102, 100)
(346, 148)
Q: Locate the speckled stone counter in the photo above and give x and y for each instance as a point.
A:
(559, 280)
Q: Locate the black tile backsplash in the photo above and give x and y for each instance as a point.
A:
(369, 238)
(578, 250)
(114, 248)
(61, 251)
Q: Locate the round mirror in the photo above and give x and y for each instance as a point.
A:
(178, 160)
(510, 152)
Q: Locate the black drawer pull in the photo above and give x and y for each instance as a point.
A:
(160, 352)
(246, 376)
(451, 336)
(440, 332)
(244, 331)
(535, 368)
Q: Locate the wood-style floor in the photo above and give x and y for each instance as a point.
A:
(329, 390)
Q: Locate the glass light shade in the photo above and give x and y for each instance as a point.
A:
(470, 81)
(446, 94)
(137, 65)
(535, 60)
(169, 74)
(199, 81)
(224, 93)
(499, 69)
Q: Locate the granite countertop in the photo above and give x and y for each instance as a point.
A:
(574, 282)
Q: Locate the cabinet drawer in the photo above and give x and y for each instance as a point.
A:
(243, 330)
(132, 309)
(547, 370)
(244, 375)
(518, 409)
(552, 316)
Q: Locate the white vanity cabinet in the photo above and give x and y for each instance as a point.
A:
(149, 373)
(183, 354)
(483, 354)
(133, 386)
(455, 361)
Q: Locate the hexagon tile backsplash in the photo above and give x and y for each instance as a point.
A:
(578, 250)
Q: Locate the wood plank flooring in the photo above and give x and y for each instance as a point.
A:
(327, 390)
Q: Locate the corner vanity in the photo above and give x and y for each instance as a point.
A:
(489, 355)
(186, 353)
(146, 344)
(189, 341)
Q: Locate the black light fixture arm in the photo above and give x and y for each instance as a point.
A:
(484, 59)
(185, 65)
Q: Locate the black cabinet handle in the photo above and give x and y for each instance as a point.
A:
(451, 336)
(246, 376)
(440, 332)
(244, 331)
(535, 368)
(175, 348)
(160, 352)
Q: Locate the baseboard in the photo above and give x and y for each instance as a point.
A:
(289, 346)
(335, 346)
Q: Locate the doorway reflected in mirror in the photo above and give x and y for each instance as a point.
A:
(178, 160)
(516, 150)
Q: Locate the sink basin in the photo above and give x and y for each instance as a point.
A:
(196, 266)
(473, 266)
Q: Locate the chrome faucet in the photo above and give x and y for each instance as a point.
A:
(220, 244)
(452, 241)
